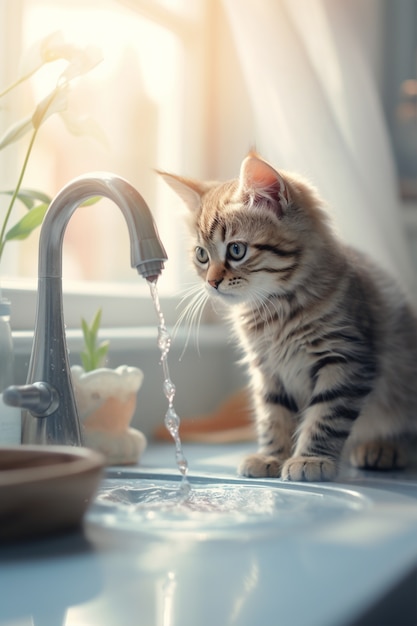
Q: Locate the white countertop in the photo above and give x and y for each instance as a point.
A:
(324, 573)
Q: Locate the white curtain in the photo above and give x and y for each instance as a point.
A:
(317, 112)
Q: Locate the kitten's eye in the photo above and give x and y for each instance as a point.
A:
(236, 250)
(201, 255)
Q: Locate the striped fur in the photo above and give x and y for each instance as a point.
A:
(329, 340)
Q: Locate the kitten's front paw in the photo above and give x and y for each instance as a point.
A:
(309, 468)
(379, 455)
(260, 466)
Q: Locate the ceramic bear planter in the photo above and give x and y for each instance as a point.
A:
(106, 402)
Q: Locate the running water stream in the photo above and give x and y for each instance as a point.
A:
(172, 420)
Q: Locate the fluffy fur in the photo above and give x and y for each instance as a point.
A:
(329, 339)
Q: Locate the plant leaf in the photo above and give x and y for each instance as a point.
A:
(54, 47)
(81, 61)
(50, 48)
(28, 197)
(87, 336)
(101, 354)
(93, 356)
(85, 328)
(35, 194)
(95, 324)
(54, 102)
(86, 362)
(28, 223)
(16, 131)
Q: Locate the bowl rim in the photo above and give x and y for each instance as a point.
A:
(65, 461)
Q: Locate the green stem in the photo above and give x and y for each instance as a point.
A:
(16, 191)
(19, 81)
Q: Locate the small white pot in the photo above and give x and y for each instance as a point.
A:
(106, 402)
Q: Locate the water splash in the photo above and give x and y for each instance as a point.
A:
(172, 420)
(218, 509)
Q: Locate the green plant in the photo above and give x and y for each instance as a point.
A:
(94, 353)
(80, 61)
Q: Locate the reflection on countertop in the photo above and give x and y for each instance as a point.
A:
(339, 568)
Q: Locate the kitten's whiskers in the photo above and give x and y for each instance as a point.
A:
(192, 313)
(262, 307)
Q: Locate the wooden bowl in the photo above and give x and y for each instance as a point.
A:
(45, 489)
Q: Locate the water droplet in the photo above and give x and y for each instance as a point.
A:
(172, 422)
(164, 341)
(182, 464)
(169, 390)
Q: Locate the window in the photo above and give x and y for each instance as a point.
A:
(399, 88)
(146, 96)
(171, 93)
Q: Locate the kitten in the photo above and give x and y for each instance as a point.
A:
(329, 340)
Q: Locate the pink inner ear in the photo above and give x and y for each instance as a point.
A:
(256, 173)
(260, 178)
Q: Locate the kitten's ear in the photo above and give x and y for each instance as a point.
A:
(189, 191)
(260, 180)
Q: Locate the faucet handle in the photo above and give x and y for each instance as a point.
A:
(41, 399)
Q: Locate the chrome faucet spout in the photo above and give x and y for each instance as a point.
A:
(49, 368)
(147, 253)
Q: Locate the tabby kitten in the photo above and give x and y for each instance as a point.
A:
(329, 339)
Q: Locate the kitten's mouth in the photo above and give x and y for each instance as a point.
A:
(228, 297)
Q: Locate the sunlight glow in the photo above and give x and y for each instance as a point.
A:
(112, 30)
(134, 97)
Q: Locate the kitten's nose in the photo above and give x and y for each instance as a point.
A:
(215, 282)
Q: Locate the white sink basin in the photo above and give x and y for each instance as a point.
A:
(224, 507)
(241, 551)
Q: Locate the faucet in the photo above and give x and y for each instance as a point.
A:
(49, 412)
